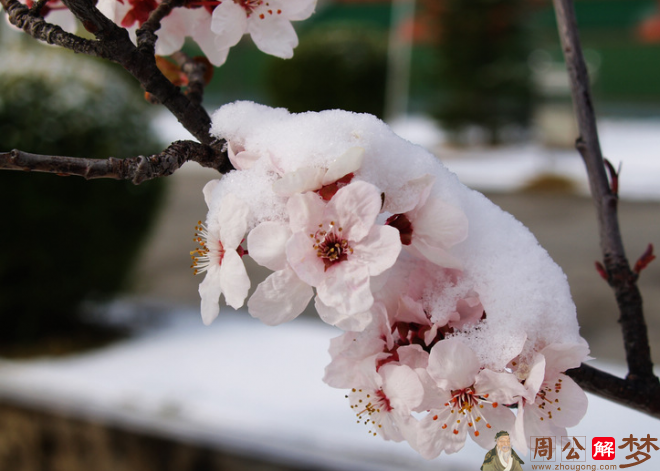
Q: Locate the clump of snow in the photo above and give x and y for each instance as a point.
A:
(389, 243)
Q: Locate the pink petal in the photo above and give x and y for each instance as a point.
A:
(346, 288)
(439, 224)
(453, 365)
(280, 298)
(297, 10)
(402, 386)
(234, 280)
(305, 212)
(378, 250)
(503, 388)
(302, 257)
(266, 244)
(354, 208)
(351, 323)
(208, 192)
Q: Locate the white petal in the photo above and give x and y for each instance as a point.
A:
(234, 280)
(299, 181)
(410, 195)
(208, 192)
(232, 219)
(267, 244)
(503, 388)
(349, 162)
(499, 418)
(402, 386)
(453, 365)
(437, 255)
(379, 250)
(273, 34)
(280, 298)
(209, 291)
(297, 10)
(229, 23)
(355, 208)
(570, 403)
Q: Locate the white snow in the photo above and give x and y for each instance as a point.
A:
(244, 387)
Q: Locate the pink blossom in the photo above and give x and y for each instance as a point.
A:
(432, 226)
(219, 254)
(267, 21)
(467, 399)
(552, 400)
(385, 403)
(336, 247)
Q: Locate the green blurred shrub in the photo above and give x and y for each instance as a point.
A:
(483, 77)
(67, 240)
(334, 66)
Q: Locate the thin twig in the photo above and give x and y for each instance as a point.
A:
(137, 169)
(146, 34)
(617, 269)
(196, 71)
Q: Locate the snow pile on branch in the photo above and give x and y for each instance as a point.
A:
(451, 309)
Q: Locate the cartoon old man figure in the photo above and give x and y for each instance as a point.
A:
(502, 457)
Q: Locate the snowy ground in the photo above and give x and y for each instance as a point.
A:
(242, 386)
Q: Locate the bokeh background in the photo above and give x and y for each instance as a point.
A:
(104, 363)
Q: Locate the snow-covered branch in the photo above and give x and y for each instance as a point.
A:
(137, 169)
(617, 270)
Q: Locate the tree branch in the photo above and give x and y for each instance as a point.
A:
(617, 269)
(146, 34)
(29, 21)
(137, 169)
(196, 71)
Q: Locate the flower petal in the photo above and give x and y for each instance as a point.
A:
(379, 250)
(305, 212)
(302, 257)
(234, 280)
(232, 220)
(299, 181)
(453, 365)
(351, 323)
(355, 208)
(267, 243)
(209, 292)
(229, 23)
(272, 34)
(280, 298)
(346, 288)
(349, 162)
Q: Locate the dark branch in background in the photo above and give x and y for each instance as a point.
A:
(196, 71)
(137, 169)
(641, 387)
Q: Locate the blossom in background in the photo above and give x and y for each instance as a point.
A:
(219, 254)
(267, 21)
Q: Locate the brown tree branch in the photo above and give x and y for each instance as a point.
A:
(196, 71)
(146, 34)
(29, 21)
(617, 269)
(137, 169)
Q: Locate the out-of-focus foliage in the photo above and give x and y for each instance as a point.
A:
(67, 240)
(339, 65)
(484, 77)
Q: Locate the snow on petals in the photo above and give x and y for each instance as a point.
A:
(441, 340)
(219, 256)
